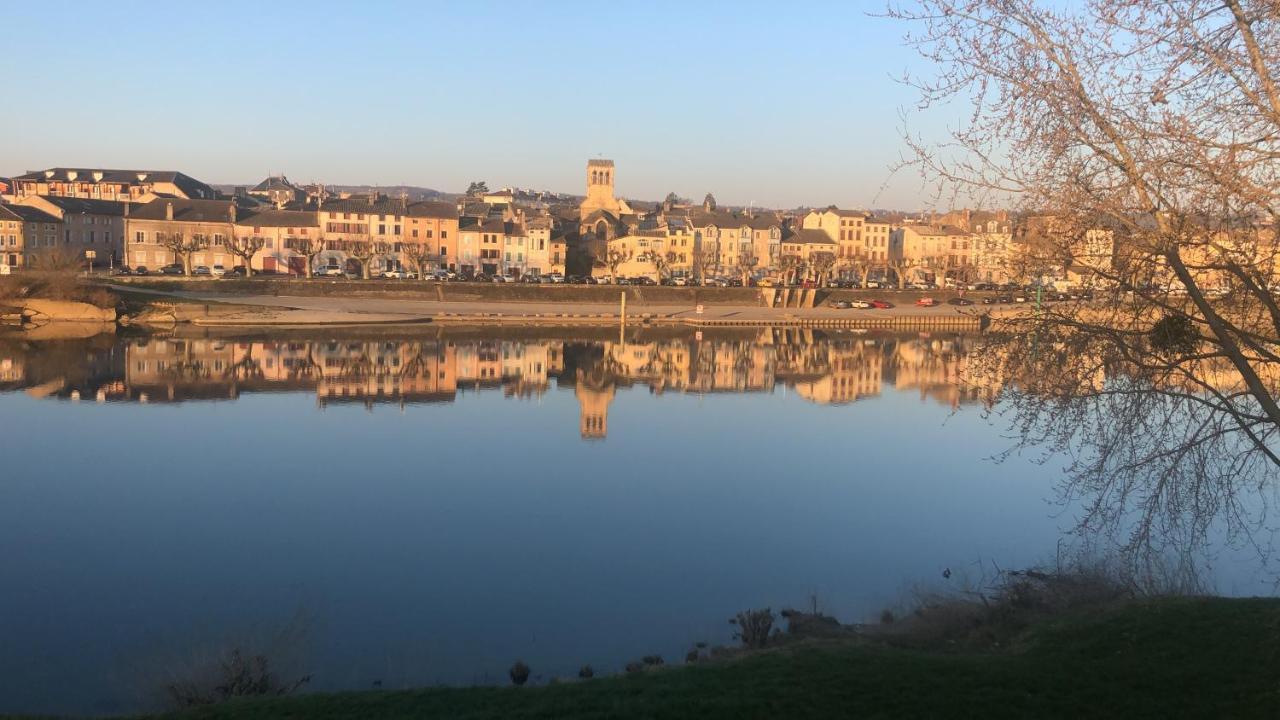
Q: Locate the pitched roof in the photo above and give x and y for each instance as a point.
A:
(379, 206)
(26, 213)
(86, 205)
(723, 219)
(275, 182)
(431, 209)
(810, 236)
(186, 210)
(278, 218)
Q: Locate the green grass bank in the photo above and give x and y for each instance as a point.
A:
(1197, 657)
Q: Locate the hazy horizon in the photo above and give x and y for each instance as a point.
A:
(779, 109)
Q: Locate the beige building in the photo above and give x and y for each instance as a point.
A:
(360, 231)
(156, 231)
(30, 235)
(732, 241)
(114, 185)
(807, 243)
(433, 228)
(88, 226)
(932, 252)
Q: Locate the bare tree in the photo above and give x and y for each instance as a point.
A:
(662, 262)
(746, 265)
(1140, 140)
(614, 258)
(311, 248)
(182, 244)
(822, 264)
(705, 260)
(420, 257)
(363, 251)
(244, 247)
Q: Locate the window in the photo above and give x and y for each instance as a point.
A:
(106, 236)
(428, 234)
(443, 234)
(414, 233)
(138, 237)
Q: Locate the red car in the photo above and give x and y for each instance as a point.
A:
(926, 302)
(881, 305)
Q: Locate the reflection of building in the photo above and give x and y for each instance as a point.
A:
(822, 368)
(593, 403)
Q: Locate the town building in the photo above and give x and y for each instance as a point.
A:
(32, 238)
(277, 190)
(88, 226)
(431, 233)
(115, 185)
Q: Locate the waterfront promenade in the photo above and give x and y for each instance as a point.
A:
(261, 310)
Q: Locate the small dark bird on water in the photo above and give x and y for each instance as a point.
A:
(947, 573)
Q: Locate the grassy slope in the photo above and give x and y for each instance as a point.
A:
(1174, 658)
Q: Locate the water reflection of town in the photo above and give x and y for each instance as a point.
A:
(823, 368)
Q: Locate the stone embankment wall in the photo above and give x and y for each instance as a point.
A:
(457, 291)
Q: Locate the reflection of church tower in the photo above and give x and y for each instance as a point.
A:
(593, 405)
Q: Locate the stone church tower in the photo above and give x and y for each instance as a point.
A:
(600, 190)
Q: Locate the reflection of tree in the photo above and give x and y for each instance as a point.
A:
(1162, 449)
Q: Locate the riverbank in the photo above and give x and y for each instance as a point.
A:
(224, 309)
(1176, 657)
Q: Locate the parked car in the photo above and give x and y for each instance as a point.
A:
(237, 271)
(881, 304)
(217, 271)
(841, 305)
(555, 278)
(860, 304)
(202, 270)
(926, 302)
(330, 271)
(959, 301)
(1004, 299)
(141, 270)
(120, 271)
(988, 300)
(395, 275)
(173, 269)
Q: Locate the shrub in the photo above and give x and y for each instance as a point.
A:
(652, 660)
(237, 676)
(586, 673)
(753, 627)
(519, 673)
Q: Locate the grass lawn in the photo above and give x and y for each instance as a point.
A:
(1168, 658)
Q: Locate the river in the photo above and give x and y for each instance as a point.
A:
(420, 508)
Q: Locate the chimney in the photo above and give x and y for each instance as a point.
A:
(168, 211)
(126, 209)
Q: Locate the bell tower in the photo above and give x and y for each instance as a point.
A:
(599, 188)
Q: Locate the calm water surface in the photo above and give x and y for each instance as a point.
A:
(427, 509)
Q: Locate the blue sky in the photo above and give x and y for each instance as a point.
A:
(780, 104)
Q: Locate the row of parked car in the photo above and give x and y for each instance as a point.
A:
(963, 301)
